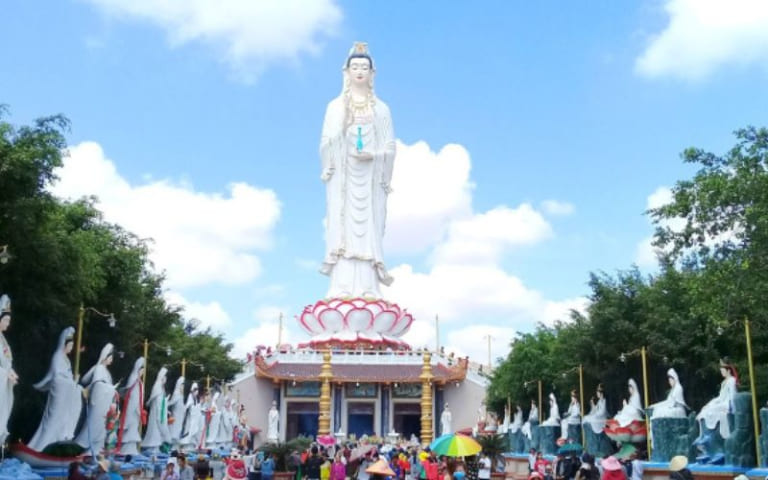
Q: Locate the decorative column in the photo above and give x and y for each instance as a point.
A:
(386, 428)
(326, 375)
(337, 395)
(426, 399)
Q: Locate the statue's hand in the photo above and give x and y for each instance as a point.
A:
(327, 174)
(363, 156)
(387, 189)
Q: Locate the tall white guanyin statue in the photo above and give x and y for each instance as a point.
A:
(674, 405)
(62, 409)
(445, 421)
(554, 413)
(572, 416)
(632, 409)
(533, 417)
(273, 417)
(212, 433)
(177, 408)
(133, 415)
(517, 420)
(357, 149)
(226, 426)
(101, 396)
(8, 376)
(716, 410)
(192, 420)
(598, 412)
(157, 425)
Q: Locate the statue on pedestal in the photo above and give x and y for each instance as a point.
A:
(273, 433)
(572, 417)
(193, 418)
(629, 424)
(357, 149)
(533, 420)
(674, 405)
(670, 425)
(631, 410)
(177, 408)
(517, 420)
(445, 421)
(8, 376)
(597, 442)
(716, 411)
(62, 409)
(554, 413)
(157, 425)
(214, 424)
(101, 396)
(133, 414)
(505, 423)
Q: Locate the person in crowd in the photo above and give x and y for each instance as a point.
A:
(312, 464)
(74, 472)
(170, 472)
(678, 468)
(612, 469)
(338, 469)
(484, 467)
(217, 467)
(588, 470)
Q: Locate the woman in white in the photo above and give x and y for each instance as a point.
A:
(554, 413)
(674, 405)
(632, 409)
(717, 410)
(598, 412)
(193, 417)
(62, 409)
(177, 408)
(133, 414)
(101, 395)
(572, 416)
(157, 425)
(212, 432)
(8, 377)
(533, 416)
(357, 149)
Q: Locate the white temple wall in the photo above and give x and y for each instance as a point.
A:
(256, 394)
(464, 402)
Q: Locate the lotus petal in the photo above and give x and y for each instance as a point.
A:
(384, 322)
(359, 303)
(310, 323)
(403, 325)
(359, 320)
(375, 308)
(332, 320)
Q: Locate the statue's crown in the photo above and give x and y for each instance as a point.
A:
(359, 48)
(5, 304)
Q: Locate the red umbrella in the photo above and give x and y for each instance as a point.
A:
(326, 440)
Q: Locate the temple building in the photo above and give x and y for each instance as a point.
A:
(356, 376)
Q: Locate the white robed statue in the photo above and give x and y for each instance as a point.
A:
(273, 432)
(632, 410)
(8, 377)
(716, 410)
(505, 424)
(62, 409)
(226, 426)
(133, 414)
(357, 149)
(598, 412)
(445, 421)
(533, 416)
(193, 418)
(517, 420)
(101, 395)
(554, 413)
(212, 436)
(572, 416)
(157, 425)
(674, 405)
(177, 408)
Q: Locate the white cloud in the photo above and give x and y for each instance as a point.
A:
(210, 314)
(646, 255)
(704, 35)
(249, 34)
(430, 189)
(199, 238)
(265, 333)
(556, 207)
(477, 349)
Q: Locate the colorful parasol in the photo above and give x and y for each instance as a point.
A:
(455, 445)
(381, 468)
(326, 440)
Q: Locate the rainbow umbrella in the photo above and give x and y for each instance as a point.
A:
(455, 445)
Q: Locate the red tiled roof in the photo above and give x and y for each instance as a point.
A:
(358, 373)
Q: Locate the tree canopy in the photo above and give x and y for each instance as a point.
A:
(64, 255)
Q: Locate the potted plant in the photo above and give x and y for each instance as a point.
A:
(493, 446)
(282, 452)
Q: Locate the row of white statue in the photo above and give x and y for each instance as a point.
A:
(208, 423)
(712, 415)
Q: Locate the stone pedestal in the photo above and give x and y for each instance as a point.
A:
(516, 442)
(548, 436)
(597, 444)
(532, 442)
(673, 436)
(573, 434)
(740, 446)
(764, 436)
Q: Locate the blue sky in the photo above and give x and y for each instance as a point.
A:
(563, 122)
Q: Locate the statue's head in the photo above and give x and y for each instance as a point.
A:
(5, 313)
(358, 69)
(69, 340)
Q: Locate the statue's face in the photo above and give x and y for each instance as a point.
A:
(723, 372)
(68, 347)
(671, 381)
(5, 323)
(359, 71)
(108, 360)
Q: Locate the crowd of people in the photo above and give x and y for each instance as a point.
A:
(572, 466)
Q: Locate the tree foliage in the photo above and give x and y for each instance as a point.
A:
(65, 255)
(713, 273)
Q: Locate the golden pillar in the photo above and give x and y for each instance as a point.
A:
(326, 375)
(426, 399)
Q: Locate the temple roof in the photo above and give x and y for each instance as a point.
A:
(406, 372)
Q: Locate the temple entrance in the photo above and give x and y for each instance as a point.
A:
(406, 419)
(360, 418)
(301, 419)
